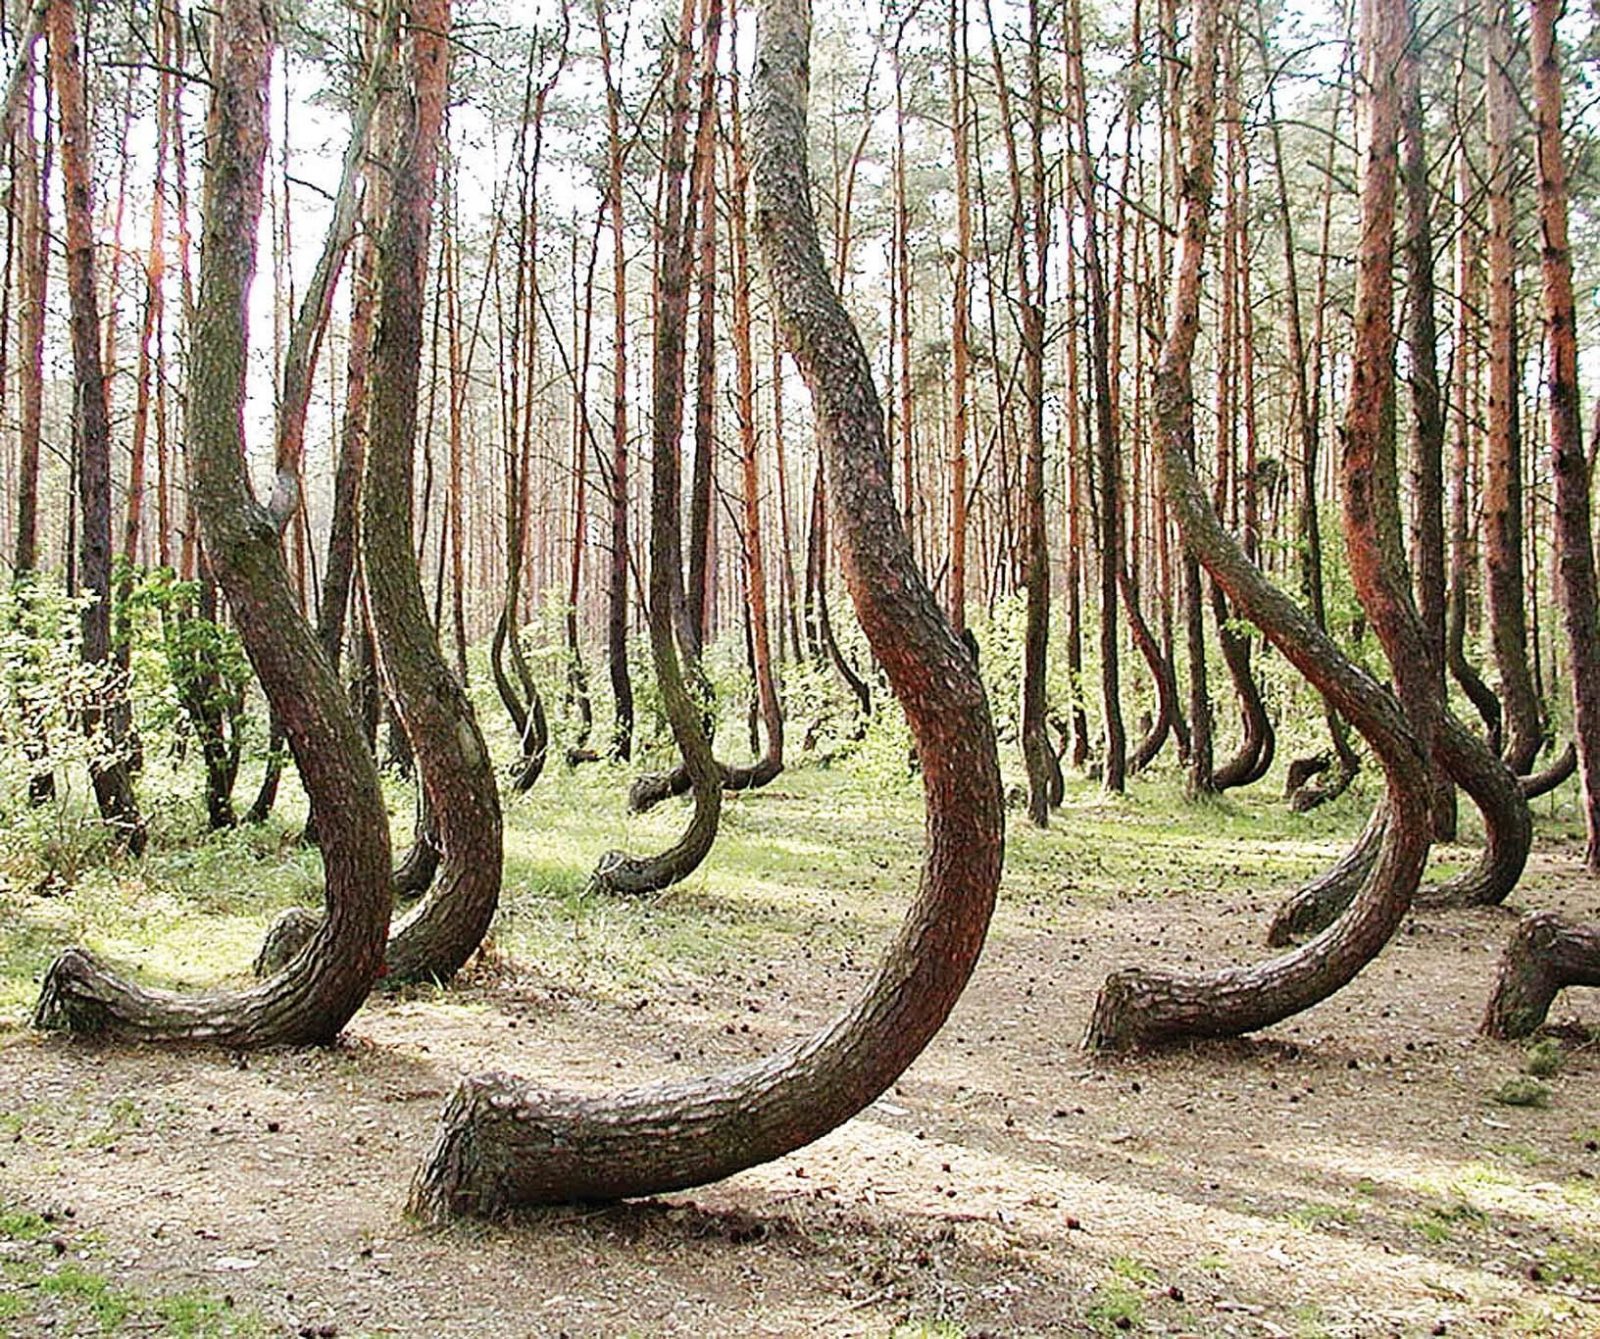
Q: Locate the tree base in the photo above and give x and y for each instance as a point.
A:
(1546, 954)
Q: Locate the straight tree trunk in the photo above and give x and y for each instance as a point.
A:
(1575, 563)
(960, 312)
(1502, 495)
(771, 709)
(1107, 447)
(106, 720)
(617, 587)
(28, 185)
(703, 479)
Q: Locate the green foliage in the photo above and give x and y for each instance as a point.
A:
(45, 753)
(45, 1290)
(1522, 1093)
(185, 663)
(1544, 1058)
(1115, 1309)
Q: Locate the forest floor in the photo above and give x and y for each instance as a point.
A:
(1349, 1173)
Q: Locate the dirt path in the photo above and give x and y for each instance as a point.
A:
(1347, 1174)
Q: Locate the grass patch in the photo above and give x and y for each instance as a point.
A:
(1116, 1308)
(1312, 1216)
(1577, 1263)
(1439, 1224)
(1522, 1092)
(108, 1304)
(22, 1225)
(1544, 1058)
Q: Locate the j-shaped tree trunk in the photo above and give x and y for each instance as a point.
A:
(1161, 672)
(1508, 836)
(436, 937)
(502, 1143)
(1546, 954)
(1575, 562)
(650, 790)
(1460, 755)
(1427, 406)
(324, 984)
(1254, 754)
(617, 871)
(1138, 1007)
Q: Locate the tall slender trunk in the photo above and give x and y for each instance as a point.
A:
(703, 479)
(1427, 406)
(617, 871)
(617, 584)
(1107, 447)
(28, 185)
(1575, 562)
(960, 314)
(771, 709)
(107, 719)
(1502, 494)
(436, 937)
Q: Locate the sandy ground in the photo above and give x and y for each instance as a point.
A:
(1345, 1174)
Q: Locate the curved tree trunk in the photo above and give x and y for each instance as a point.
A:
(502, 1144)
(1161, 672)
(1547, 778)
(1141, 1007)
(1319, 785)
(1427, 408)
(1508, 827)
(1198, 780)
(415, 871)
(313, 998)
(1254, 756)
(617, 871)
(524, 706)
(1546, 954)
(435, 939)
(769, 707)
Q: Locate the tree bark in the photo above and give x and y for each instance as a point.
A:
(1546, 954)
(435, 939)
(1427, 406)
(1502, 495)
(617, 586)
(106, 720)
(1137, 1007)
(313, 998)
(28, 185)
(1575, 562)
(617, 871)
(501, 1143)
